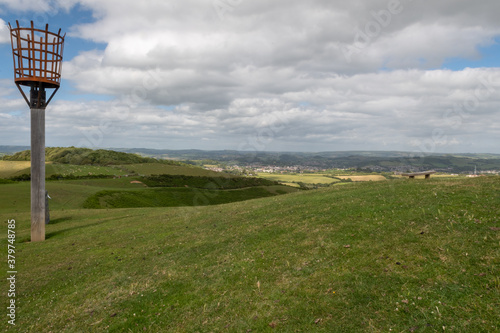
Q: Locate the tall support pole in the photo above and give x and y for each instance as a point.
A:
(38, 208)
(37, 175)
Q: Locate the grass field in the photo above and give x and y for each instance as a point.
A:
(10, 168)
(13, 168)
(400, 256)
(161, 169)
(68, 194)
(317, 178)
(313, 178)
(123, 192)
(364, 178)
(177, 197)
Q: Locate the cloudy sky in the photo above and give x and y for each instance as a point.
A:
(287, 75)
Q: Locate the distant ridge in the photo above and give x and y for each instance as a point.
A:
(379, 161)
(12, 149)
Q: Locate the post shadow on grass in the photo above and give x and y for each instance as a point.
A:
(60, 232)
(61, 220)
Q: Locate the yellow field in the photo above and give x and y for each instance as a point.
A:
(8, 168)
(304, 178)
(290, 184)
(366, 178)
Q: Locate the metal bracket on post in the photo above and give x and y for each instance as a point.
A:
(37, 97)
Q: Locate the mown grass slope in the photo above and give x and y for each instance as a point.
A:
(401, 256)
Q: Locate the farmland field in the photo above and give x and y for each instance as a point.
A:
(318, 178)
(364, 178)
(9, 168)
(306, 178)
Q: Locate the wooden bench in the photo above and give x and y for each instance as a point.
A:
(413, 174)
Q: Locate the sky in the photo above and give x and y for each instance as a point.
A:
(281, 75)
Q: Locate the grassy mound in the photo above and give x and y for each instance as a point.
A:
(418, 256)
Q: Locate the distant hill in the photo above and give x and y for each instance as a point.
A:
(7, 150)
(86, 156)
(369, 160)
(84, 162)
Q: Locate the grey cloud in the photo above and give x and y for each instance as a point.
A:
(276, 74)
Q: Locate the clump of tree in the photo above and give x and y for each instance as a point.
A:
(21, 178)
(73, 177)
(86, 156)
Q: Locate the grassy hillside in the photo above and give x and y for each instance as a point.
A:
(128, 192)
(167, 169)
(10, 169)
(86, 156)
(401, 256)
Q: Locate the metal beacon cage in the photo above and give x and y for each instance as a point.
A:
(38, 56)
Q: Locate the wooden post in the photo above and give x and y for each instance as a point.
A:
(37, 174)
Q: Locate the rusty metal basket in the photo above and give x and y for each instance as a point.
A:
(37, 56)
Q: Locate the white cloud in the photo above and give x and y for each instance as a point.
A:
(276, 75)
(402, 109)
(4, 32)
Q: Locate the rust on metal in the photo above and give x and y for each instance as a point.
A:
(38, 56)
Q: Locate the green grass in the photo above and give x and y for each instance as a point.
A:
(400, 256)
(120, 192)
(218, 182)
(83, 161)
(165, 169)
(10, 168)
(67, 194)
(86, 156)
(13, 168)
(313, 178)
(82, 170)
(177, 197)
